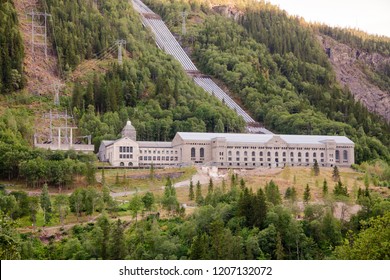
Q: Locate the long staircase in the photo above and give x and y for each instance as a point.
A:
(167, 42)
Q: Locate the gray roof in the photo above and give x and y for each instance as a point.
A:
(148, 144)
(107, 142)
(263, 138)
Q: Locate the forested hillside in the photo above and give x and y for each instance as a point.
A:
(271, 62)
(11, 49)
(275, 65)
(150, 88)
(231, 222)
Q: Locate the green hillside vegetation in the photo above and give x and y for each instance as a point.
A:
(281, 76)
(232, 222)
(357, 39)
(11, 49)
(149, 88)
(278, 70)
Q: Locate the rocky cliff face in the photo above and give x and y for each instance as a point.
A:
(348, 64)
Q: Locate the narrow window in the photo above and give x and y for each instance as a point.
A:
(201, 152)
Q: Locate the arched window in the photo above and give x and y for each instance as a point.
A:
(269, 154)
(122, 164)
(345, 155)
(245, 153)
(276, 154)
(261, 154)
(307, 154)
(193, 152)
(299, 154)
(337, 155)
(314, 154)
(284, 154)
(238, 153)
(230, 153)
(291, 154)
(201, 151)
(322, 154)
(130, 164)
(253, 154)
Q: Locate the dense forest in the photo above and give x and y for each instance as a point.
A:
(357, 39)
(150, 88)
(231, 222)
(11, 49)
(268, 60)
(281, 74)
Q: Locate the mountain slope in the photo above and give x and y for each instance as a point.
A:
(276, 66)
(355, 69)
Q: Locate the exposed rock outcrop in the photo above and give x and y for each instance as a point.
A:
(347, 63)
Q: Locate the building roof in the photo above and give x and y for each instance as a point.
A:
(263, 138)
(107, 142)
(148, 144)
(128, 130)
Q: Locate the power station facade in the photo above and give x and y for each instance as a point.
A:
(228, 150)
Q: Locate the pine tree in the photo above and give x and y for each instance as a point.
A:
(46, 204)
(169, 201)
(324, 188)
(316, 168)
(259, 209)
(117, 241)
(198, 194)
(242, 183)
(223, 186)
(191, 194)
(335, 174)
(103, 177)
(306, 194)
(210, 188)
(272, 193)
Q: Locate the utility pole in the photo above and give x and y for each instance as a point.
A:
(183, 28)
(120, 43)
(38, 30)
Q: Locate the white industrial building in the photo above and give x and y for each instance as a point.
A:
(228, 150)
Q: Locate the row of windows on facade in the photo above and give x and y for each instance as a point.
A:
(307, 154)
(154, 158)
(125, 156)
(314, 155)
(123, 149)
(269, 159)
(275, 148)
(157, 152)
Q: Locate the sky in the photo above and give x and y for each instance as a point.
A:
(372, 16)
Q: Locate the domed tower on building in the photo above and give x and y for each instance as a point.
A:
(129, 131)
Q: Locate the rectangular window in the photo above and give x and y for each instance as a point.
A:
(158, 158)
(154, 158)
(230, 159)
(253, 159)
